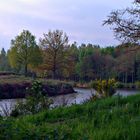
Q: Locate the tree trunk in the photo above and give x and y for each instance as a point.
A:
(54, 75)
(135, 69)
(25, 70)
(125, 77)
(132, 77)
(54, 66)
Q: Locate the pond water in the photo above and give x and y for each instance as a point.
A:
(61, 100)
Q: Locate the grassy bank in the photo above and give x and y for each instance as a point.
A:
(106, 119)
(119, 85)
(13, 79)
(14, 86)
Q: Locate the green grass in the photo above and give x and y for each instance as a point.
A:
(106, 119)
(12, 79)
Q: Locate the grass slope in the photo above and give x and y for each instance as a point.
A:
(106, 119)
(13, 79)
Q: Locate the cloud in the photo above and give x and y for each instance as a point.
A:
(29, 1)
(81, 20)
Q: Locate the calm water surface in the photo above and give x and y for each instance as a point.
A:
(75, 98)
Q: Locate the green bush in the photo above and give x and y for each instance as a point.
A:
(35, 101)
(137, 84)
(119, 85)
(131, 86)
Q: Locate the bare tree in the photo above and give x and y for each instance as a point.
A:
(126, 23)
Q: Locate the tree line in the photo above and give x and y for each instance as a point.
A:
(53, 57)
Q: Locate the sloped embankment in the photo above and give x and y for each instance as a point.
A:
(105, 119)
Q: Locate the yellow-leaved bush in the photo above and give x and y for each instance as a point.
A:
(104, 88)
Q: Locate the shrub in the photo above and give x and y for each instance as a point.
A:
(119, 85)
(104, 88)
(35, 102)
(137, 84)
(131, 85)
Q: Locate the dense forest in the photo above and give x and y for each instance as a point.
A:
(72, 62)
(54, 57)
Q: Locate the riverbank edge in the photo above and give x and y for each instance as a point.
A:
(100, 119)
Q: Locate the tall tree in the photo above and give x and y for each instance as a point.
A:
(4, 63)
(72, 59)
(89, 59)
(24, 51)
(55, 45)
(126, 23)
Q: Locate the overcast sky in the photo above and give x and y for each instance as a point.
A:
(80, 19)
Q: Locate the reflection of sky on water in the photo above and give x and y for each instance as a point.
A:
(75, 98)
